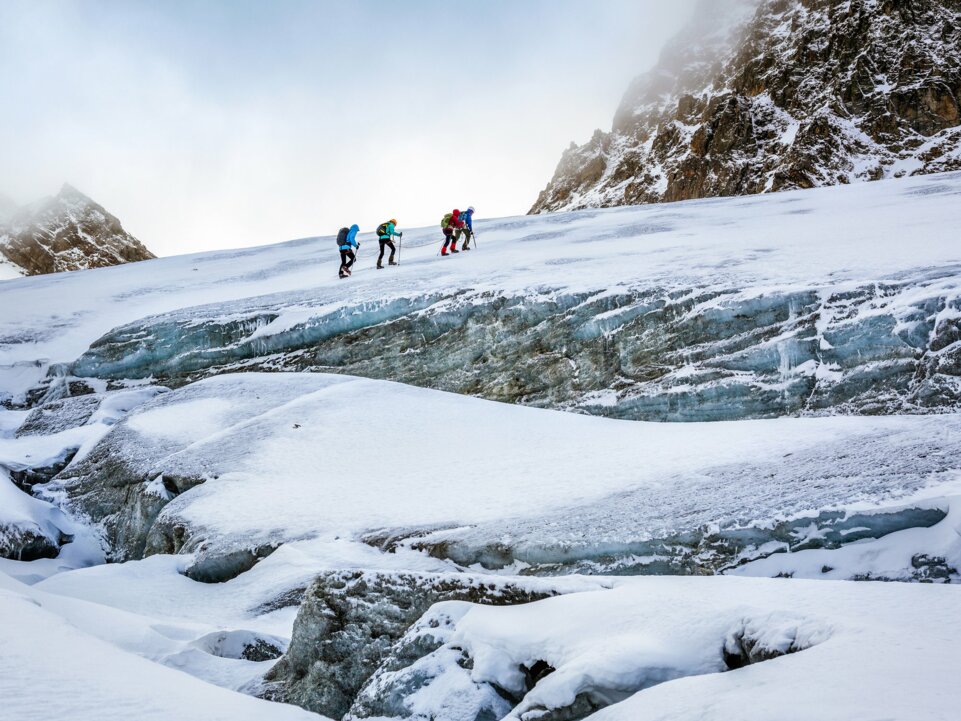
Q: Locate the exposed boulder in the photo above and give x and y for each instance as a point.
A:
(350, 621)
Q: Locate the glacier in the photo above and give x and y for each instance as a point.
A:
(794, 304)
(238, 469)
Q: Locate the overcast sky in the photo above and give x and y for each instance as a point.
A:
(225, 123)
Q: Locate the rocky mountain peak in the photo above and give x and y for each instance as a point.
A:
(768, 95)
(68, 231)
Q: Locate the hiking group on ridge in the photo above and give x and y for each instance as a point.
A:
(455, 225)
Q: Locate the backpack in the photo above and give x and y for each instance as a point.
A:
(445, 223)
(382, 230)
(342, 237)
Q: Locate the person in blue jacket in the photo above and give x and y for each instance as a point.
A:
(467, 217)
(347, 242)
(386, 232)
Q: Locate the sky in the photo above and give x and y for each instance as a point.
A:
(216, 124)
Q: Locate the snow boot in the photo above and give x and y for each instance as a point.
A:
(392, 262)
(443, 252)
(380, 267)
(453, 248)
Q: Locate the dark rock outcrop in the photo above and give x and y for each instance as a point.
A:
(350, 621)
(28, 542)
(756, 96)
(67, 232)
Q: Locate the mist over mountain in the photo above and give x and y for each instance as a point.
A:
(68, 231)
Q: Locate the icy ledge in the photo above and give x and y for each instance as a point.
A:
(636, 350)
(267, 459)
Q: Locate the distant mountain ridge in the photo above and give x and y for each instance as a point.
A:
(765, 95)
(68, 231)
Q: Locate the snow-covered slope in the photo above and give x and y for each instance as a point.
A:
(66, 232)
(70, 659)
(684, 649)
(802, 302)
(766, 95)
(356, 525)
(268, 459)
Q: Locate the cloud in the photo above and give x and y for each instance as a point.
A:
(221, 124)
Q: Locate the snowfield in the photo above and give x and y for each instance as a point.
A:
(271, 458)
(707, 310)
(178, 536)
(64, 658)
(667, 638)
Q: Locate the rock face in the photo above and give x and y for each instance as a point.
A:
(764, 96)
(66, 232)
(28, 542)
(350, 621)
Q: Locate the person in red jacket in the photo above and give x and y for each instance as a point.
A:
(451, 224)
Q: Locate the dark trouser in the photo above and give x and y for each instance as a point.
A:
(347, 258)
(384, 242)
(448, 236)
(466, 232)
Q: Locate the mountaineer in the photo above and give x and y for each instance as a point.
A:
(386, 232)
(346, 243)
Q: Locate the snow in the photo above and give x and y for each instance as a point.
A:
(319, 465)
(20, 513)
(64, 658)
(309, 454)
(206, 417)
(8, 270)
(858, 649)
(822, 237)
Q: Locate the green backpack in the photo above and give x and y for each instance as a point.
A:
(445, 223)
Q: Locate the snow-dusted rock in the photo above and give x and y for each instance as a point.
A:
(66, 232)
(36, 447)
(712, 648)
(418, 680)
(354, 623)
(29, 528)
(767, 95)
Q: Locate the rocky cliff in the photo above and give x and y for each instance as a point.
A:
(66, 232)
(754, 97)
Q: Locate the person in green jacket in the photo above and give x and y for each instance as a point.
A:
(386, 232)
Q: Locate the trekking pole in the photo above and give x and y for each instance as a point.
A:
(400, 246)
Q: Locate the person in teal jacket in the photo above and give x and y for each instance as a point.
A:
(386, 232)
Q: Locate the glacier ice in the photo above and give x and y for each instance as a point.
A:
(260, 465)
